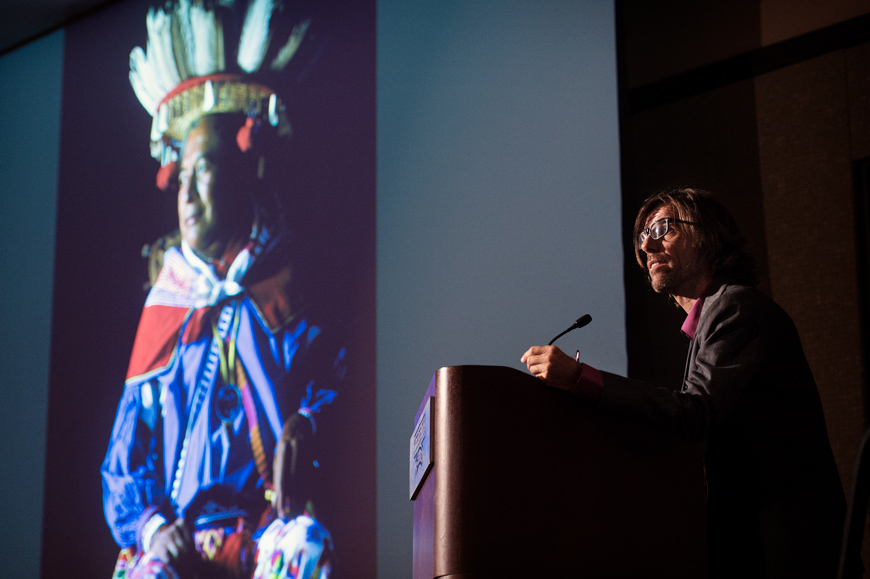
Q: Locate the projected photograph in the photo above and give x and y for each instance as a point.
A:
(212, 390)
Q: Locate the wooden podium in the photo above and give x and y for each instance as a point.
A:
(528, 481)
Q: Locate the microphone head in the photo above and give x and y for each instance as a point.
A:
(579, 323)
(583, 321)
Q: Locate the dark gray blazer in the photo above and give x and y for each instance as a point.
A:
(775, 505)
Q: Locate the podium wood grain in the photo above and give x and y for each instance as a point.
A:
(528, 481)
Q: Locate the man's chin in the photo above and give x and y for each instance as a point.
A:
(659, 284)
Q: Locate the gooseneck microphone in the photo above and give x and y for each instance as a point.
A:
(581, 321)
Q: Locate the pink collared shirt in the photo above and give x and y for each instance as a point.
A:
(690, 326)
(590, 384)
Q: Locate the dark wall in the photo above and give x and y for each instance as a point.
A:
(687, 143)
(775, 131)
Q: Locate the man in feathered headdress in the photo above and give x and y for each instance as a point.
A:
(226, 375)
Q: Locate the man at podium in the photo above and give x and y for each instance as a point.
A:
(775, 503)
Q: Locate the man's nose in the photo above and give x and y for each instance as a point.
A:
(644, 246)
(188, 191)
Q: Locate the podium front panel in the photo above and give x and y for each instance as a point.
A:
(528, 481)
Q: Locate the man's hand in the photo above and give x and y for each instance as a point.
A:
(552, 365)
(283, 467)
(173, 544)
(291, 465)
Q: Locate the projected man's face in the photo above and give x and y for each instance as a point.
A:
(204, 201)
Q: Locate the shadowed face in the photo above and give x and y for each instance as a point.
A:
(673, 261)
(205, 199)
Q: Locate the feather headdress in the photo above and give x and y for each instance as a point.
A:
(182, 74)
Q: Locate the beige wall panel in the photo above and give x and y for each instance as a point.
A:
(706, 141)
(804, 148)
(667, 37)
(784, 19)
(858, 67)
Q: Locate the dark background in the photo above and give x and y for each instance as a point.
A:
(763, 102)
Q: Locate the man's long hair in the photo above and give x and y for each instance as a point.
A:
(714, 233)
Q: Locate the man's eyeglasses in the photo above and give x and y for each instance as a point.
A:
(659, 229)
